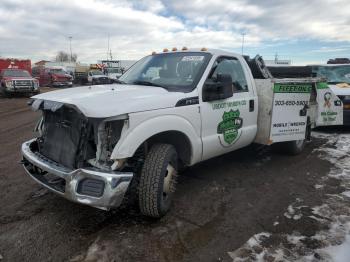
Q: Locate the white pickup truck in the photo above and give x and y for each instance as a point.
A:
(338, 78)
(102, 145)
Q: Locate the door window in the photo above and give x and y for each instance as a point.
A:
(232, 67)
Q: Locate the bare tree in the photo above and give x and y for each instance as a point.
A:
(65, 57)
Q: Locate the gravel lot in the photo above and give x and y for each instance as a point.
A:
(251, 194)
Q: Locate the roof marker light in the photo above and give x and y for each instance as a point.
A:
(184, 48)
(204, 49)
(154, 52)
(174, 49)
(165, 50)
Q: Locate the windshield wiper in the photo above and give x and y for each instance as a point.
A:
(146, 83)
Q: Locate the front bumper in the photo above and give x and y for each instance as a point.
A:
(89, 186)
(64, 83)
(21, 90)
(102, 81)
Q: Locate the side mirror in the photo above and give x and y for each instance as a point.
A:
(218, 89)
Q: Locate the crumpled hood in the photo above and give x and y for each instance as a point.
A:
(340, 89)
(103, 101)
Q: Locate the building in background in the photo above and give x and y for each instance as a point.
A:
(278, 62)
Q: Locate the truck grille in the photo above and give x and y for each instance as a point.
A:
(23, 84)
(62, 136)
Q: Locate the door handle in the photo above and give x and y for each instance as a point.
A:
(251, 105)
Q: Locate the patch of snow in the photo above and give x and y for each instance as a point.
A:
(276, 223)
(333, 214)
(346, 193)
(338, 253)
(319, 186)
(297, 217)
(294, 239)
(256, 239)
(294, 212)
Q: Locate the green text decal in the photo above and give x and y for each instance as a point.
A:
(292, 88)
(322, 85)
(231, 122)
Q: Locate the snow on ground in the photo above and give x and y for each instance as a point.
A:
(331, 244)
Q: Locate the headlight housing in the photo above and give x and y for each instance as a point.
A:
(9, 84)
(36, 84)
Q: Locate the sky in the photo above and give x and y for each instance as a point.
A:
(304, 31)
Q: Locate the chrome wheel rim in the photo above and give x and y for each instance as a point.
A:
(169, 178)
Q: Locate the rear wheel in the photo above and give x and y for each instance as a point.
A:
(291, 147)
(158, 180)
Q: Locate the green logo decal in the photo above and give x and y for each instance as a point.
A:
(229, 126)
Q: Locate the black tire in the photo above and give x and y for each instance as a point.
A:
(154, 201)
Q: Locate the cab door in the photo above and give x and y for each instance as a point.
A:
(229, 123)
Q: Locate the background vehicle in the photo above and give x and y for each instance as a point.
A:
(338, 77)
(96, 77)
(339, 61)
(113, 73)
(81, 74)
(15, 77)
(112, 69)
(52, 76)
(170, 110)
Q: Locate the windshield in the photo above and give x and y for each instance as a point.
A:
(96, 72)
(334, 74)
(57, 71)
(174, 71)
(16, 73)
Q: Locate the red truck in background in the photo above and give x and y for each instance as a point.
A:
(15, 77)
(54, 76)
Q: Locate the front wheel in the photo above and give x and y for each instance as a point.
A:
(158, 180)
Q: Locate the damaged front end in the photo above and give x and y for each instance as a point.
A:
(71, 155)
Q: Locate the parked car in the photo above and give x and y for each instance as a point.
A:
(52, 76)
(15, 77)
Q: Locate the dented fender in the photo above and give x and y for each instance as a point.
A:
(133, 135)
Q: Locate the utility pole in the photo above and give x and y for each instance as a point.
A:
(70, 47)
(108, 47)
(243, 34)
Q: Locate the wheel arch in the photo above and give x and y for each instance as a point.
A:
(175, 130)
(175, 138)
